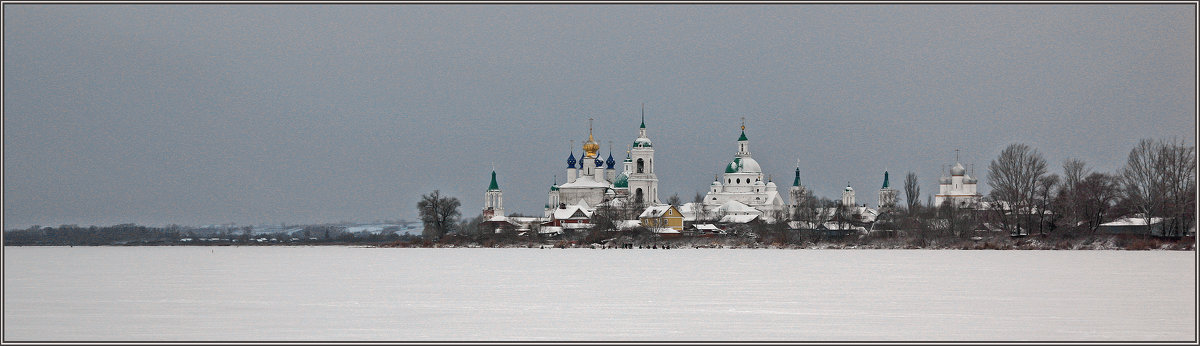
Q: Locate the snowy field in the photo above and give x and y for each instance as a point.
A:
(350, 294)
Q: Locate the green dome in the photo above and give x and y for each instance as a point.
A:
(622, 181)
(734, 166)
(642, 143)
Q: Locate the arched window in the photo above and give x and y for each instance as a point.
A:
(641, 166)
(637, 197)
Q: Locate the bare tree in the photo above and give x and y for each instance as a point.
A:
(1159, 181)
(1014, 177)
(1095, 196)
(698, 207)
(912, 191)
(438, 214)
(1074, 171)
(1142, 179)
(1069, 199)
(1179, 178)
(673, 200)
(1045, 194)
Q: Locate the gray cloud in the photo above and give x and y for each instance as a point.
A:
(198, 114)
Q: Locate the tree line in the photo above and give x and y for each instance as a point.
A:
(1158, 180)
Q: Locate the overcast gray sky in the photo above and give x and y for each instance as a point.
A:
(203, 114)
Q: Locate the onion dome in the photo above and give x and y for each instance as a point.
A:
(571, 161)
(944, 180)
(553, 187)
(599, 163)
(590, 147)
(610, 162)
(848, 188)
(958, 169)
(621, 181)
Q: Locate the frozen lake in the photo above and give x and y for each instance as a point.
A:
(396, 294)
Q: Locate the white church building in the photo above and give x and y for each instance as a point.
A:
(958, 189)
(743, 182)
(595, 182)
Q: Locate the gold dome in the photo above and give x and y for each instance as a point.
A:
(590, 147)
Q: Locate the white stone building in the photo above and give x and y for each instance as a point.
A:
(958, 189)
(743, 182)
(596, 182)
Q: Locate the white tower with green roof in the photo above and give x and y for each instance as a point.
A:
(887, 195)
(493, 199)
(643, 183)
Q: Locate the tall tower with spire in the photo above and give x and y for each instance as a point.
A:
(643, 183)
(798, 192)
(887, 195)
(493, 199)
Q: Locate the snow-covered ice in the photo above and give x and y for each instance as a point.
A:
(349, 293)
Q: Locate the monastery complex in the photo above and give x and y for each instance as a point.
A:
(739, 195)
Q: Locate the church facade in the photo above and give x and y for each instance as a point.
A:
(958, 189)
(595, 182)
(743, 182)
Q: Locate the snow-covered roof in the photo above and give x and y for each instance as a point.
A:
(733, 206)
(571, 210)
(526, 219)
(577, 225)
(802, 225)
(585, 182)
(738, 218)
(497, 218)
(707, 227)
(627, 224)
(655, 211)
(665, 231)
(1132, 221)
(550, 229)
